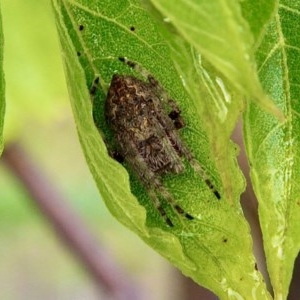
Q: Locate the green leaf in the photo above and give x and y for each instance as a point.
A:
(35, 85)
(218, 30)
(258, 13)
(273, 147)
(215, 248)
(2, 87)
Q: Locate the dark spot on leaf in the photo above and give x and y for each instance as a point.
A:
(132, 28)
(78, 53)
(225, 240)
(255, 267)
(81, 27)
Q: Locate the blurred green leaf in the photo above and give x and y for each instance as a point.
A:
(273, 147)
(258, 13)
(219, 32)
(35, 85)
(215, 249)
(2, 87)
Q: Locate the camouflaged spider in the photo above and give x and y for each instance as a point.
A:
(147, 135)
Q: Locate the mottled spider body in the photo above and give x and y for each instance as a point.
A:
(145, 123)
(145, 134)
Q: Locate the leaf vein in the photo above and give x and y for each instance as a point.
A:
(289, 9)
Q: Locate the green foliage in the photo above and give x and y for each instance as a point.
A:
(273, 146)
(35, 85)
(218, 30)
(2, 88)
(210, 56)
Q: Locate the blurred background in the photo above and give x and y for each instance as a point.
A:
(37, 261)
(57, 239)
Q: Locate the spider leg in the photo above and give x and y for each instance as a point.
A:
(176, 122)
(153, 185)
(186, 153)
(174, 204)
(138, 68)
(196, 166)
(159, 207)
(168, 197)
(94, 87)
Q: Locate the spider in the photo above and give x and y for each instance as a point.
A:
(147, 135)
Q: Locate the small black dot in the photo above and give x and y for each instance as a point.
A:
(132, 28)
(122, 59)
(81, 27)
(96, 81)
(78, 53)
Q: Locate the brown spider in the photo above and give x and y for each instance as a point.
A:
(147, 136)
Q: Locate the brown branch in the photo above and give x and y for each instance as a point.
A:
(68, 225)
